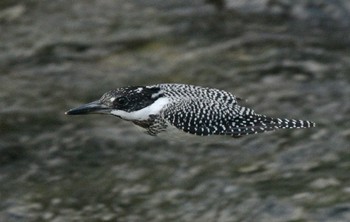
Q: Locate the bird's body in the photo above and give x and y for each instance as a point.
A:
(180, 108)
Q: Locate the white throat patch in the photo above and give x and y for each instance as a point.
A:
(143, 114)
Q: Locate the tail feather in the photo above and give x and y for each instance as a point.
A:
(261, 123)
(293, 123)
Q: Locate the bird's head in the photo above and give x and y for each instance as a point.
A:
(129, 103)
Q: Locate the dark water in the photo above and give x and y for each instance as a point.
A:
(286, 58)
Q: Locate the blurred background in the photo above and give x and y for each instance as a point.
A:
(286, 58)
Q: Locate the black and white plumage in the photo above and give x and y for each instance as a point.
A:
(196, 110)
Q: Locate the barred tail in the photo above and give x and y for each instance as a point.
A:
(261, 123)
(293, 124)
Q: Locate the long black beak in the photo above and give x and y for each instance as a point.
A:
(93, 107)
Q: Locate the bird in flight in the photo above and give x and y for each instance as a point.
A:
(186, 109)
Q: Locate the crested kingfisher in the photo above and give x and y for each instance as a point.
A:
(187, 109)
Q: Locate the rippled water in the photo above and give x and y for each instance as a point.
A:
(286, 58)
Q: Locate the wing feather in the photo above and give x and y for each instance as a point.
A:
(209, 117)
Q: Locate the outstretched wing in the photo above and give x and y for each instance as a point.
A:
(208, 117)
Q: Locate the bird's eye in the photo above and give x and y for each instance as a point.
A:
(121, 101)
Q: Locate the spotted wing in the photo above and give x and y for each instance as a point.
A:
(208, 117)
